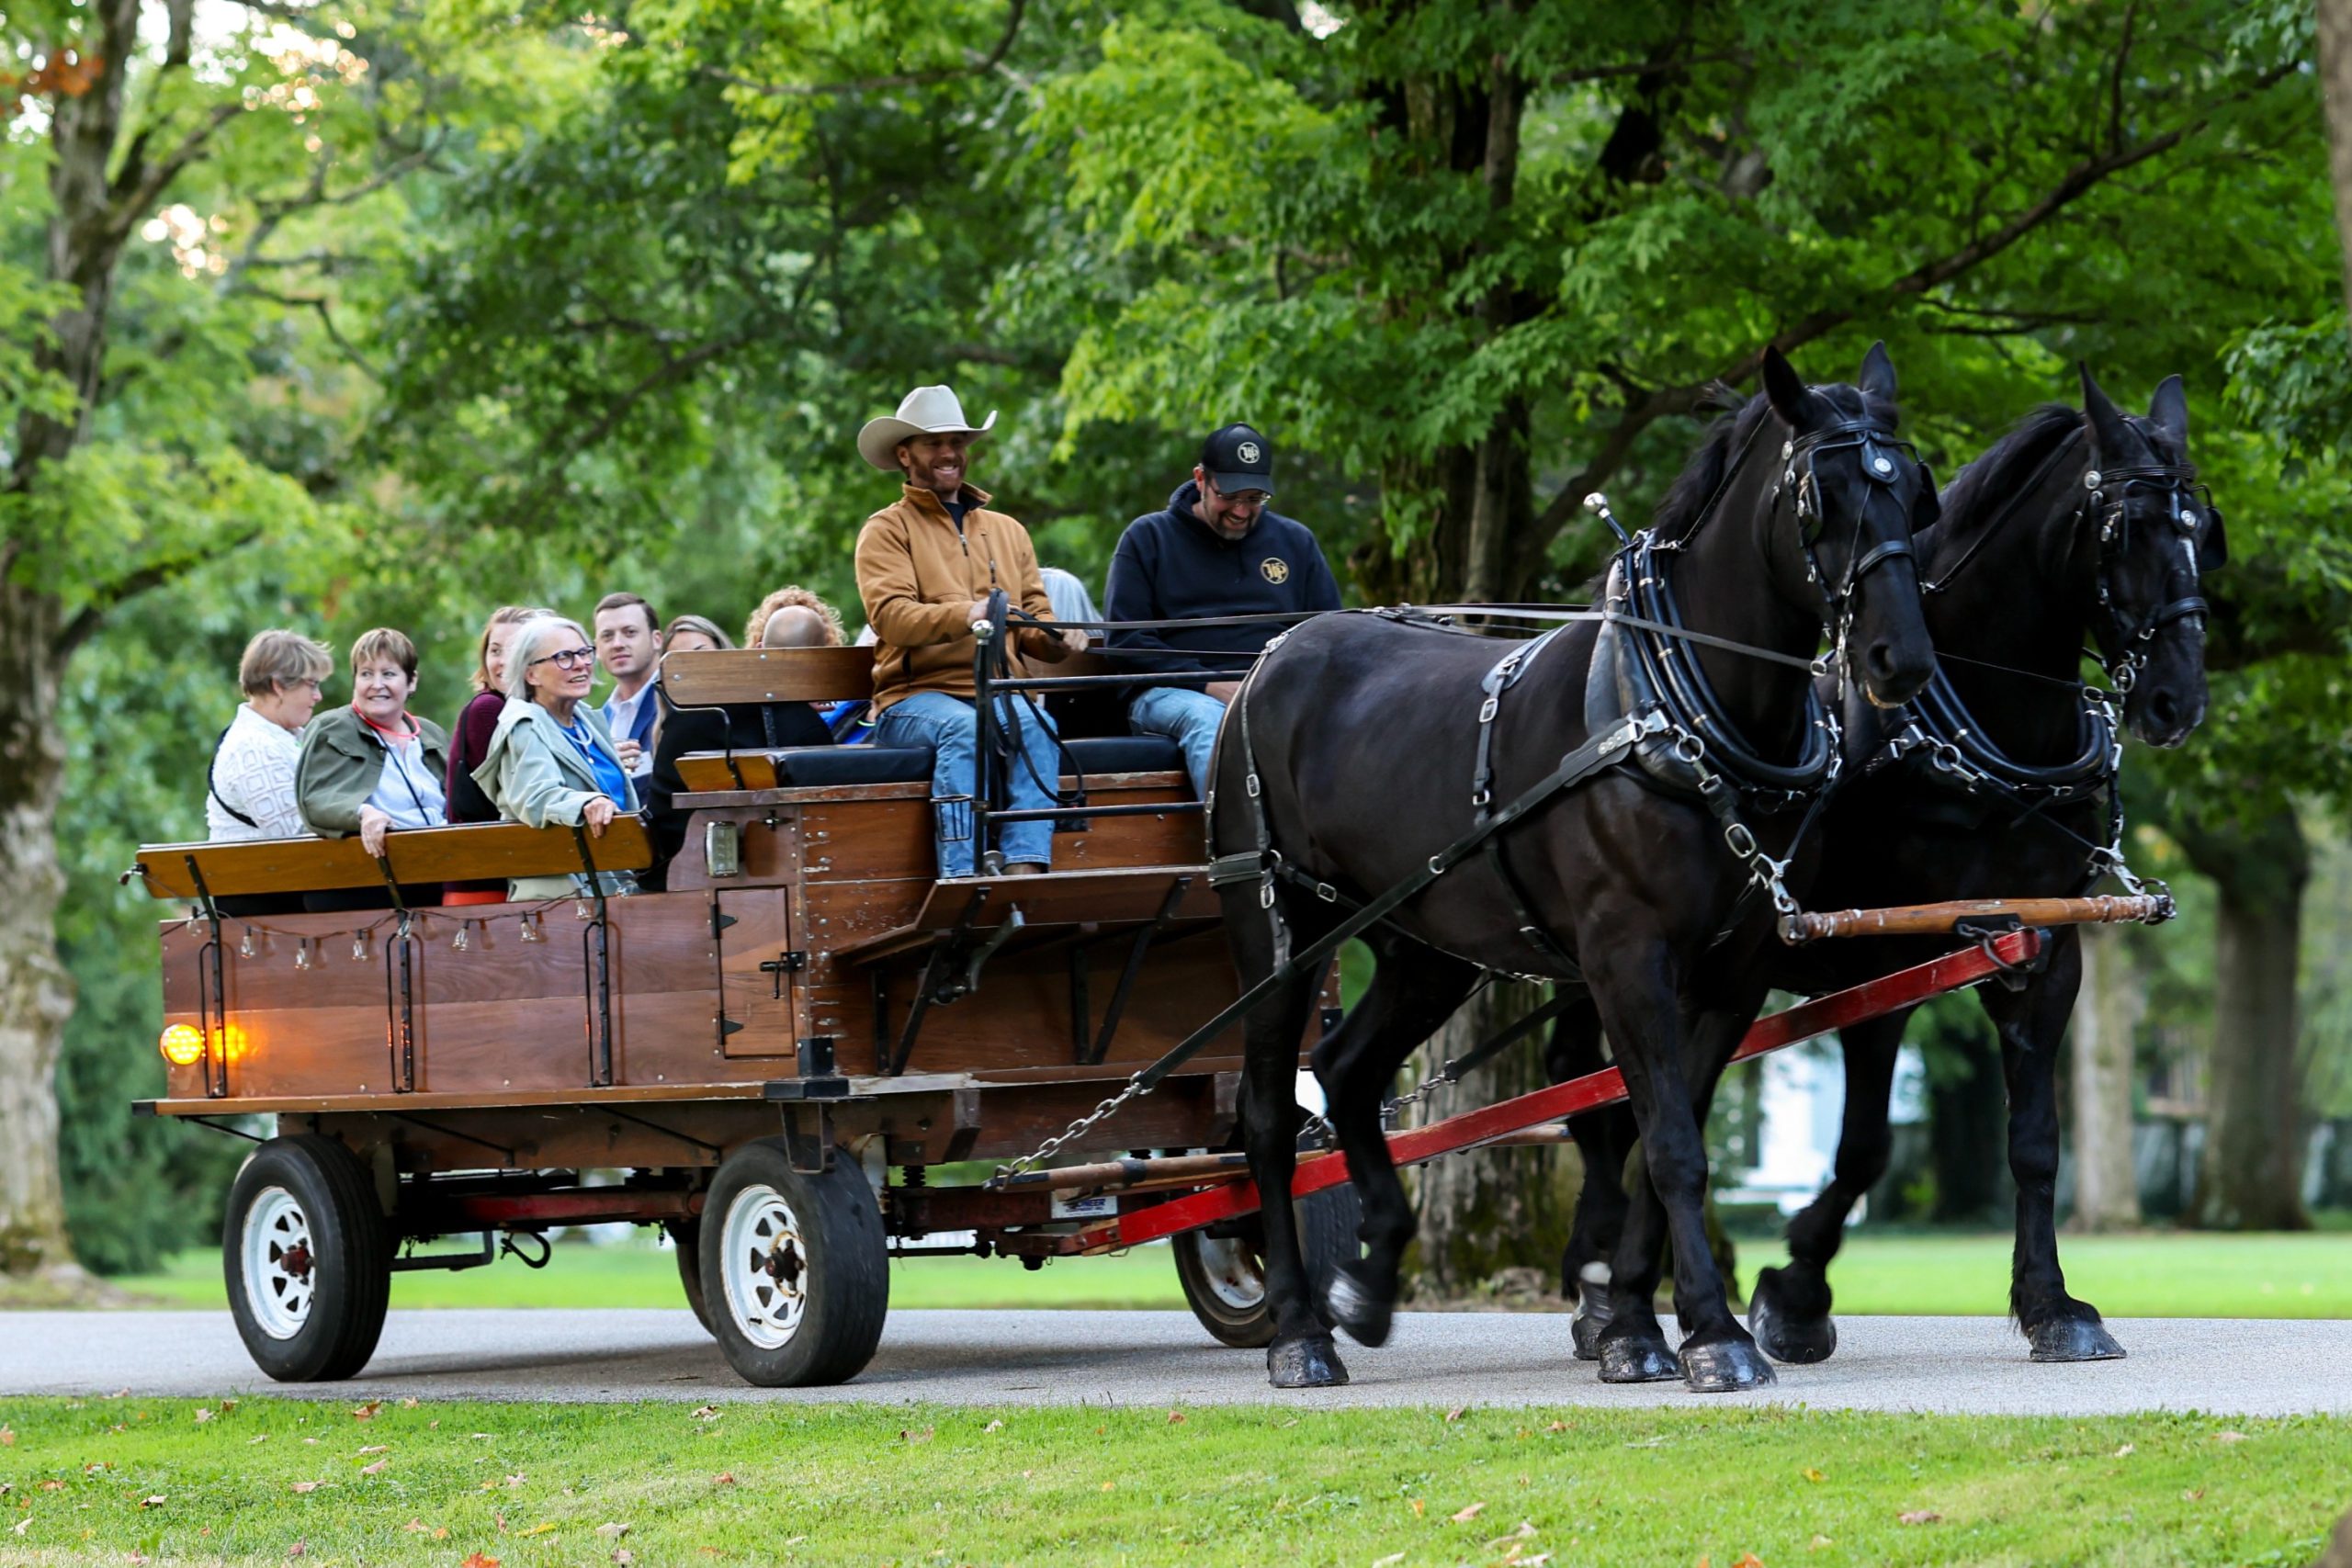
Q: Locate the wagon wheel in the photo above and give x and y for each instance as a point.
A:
(1224, 1276)
(686, 1240)
(794, 1270)
(307, 1255)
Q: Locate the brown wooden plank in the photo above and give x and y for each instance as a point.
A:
(708, 771)
(418, 855)
(715, 676)
(242, 1105)
(758, 1002)
(1117, 897)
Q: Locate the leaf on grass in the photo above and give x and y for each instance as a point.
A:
(1388, 1562)
(417, 1527)
(484, 1436)
(157, 1501)
(1110, 1486)
(1557, 1426)
(514, 1480)
(410, 1403)
(308, 1485)
(1525, 1532)
(7, 1436)
(203, 1414)
(479, 1560)
(908, 1435)
(624, 1556)
(366, 1412)
(376, 1469)
(613, 1531)
(725, 1478)
(377, 1449)
(1472, 1512)
(299, 1549)
(545, 1526)
(52, 1486)
(1812, 1474)
(1177, 1417)
(2193, 1495)
(1455, 1413)
(2229, 1437)
(21, 1525)
(1420, 1507)
(312, 1441)
(1819, 1541)
(1748, 1560)
(227, 1405)
(707, 1413)
(257, 1438)
(1919, 1517)
(2127, 1451)
(992, 1426)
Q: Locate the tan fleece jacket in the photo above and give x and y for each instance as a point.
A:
(920, 579)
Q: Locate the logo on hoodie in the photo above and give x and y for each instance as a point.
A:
(1273, 569)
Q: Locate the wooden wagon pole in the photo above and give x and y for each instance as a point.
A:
(1938, 920)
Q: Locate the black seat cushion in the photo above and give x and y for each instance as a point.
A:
(1126, 754)
(807, 766)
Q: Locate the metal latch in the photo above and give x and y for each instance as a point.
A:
(783, 963)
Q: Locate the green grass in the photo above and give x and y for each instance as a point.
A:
(751, 1484)
(2157, 1275)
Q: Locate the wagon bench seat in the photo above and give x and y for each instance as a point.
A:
(410, 856)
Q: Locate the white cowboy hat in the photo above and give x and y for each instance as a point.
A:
(926, 410)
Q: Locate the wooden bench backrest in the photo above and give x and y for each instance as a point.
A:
(715, 676)
(480, 851)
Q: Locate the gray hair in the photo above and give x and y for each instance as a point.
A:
(533, 640)
(277, 658)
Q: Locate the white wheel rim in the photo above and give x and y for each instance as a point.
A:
(765, 1265)
(281, 1264)
(1232, 1273)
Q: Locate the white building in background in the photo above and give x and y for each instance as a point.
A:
(1804, 1093)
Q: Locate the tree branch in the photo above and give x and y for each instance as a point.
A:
(155, 574)
(140, 185)
(2115, 79)
(326, 318)
(975, 64)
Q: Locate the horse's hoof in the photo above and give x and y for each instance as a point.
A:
(1628, 1359)
(1798, 1341)
(1591, 1316)
(1356, 1307)
(1728, 1367)
(1312, 1362)
(2073, 1339)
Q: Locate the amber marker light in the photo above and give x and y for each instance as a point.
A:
(183, 1045)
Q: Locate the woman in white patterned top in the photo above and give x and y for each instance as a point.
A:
(250, 787)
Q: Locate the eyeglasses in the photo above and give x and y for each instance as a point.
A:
(570, 657)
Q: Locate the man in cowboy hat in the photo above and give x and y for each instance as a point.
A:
(1214, 551)
(926, 565)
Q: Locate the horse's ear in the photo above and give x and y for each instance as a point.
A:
(1877, 377)
(2110, 436)
(1791, 399)
(2168, 410)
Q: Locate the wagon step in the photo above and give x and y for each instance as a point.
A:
(1495, 1123)
(1051, 903)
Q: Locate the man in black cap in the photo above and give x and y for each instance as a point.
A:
(1216, 551)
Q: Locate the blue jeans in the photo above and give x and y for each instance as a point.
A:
(1188, 717)
(949, 727)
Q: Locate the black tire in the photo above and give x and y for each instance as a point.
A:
(803, 1304)
(307, 1255)
(685, 1239)
(1224, 1278)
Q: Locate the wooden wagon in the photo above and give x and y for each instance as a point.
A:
(772, 1058)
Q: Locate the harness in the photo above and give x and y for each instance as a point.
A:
(1939, 729)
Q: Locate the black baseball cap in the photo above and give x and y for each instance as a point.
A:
(1235, 458)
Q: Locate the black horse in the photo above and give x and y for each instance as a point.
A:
(1346, 768)
(1997, 782)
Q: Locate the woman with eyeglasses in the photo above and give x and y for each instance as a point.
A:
(249, 789)
(373, 768)
(551, 759)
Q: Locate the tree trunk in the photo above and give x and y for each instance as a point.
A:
(1492, 1209)
(2106, 1013)
(2251, 1175)
(36, 994)
(2336, 84)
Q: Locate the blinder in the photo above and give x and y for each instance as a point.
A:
(2110, 504)
(1877, 451)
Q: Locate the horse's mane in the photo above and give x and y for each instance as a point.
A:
(1686, 499)
(2010, 462)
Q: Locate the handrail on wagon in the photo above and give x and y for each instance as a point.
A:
(473, 851)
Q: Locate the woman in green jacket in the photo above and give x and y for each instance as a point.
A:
(551, 759)
(373, 768)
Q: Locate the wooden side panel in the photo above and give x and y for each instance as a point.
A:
(758, 1003)
(422, 855)
(768, 675)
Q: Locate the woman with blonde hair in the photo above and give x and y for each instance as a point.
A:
(551, 760)
(469, 740)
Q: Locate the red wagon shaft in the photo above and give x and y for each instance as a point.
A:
(1472, 1128)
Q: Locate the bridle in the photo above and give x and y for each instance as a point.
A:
(2130, 634)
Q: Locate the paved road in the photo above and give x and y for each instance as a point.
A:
(1968, 1365)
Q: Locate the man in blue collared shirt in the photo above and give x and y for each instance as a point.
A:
(1216, 551)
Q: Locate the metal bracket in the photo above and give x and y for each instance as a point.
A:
(784, 963)
(1117, 1004)
(450, 1132)
(596, 966)
(212, 992)
(399, 1008)
(808, 1137)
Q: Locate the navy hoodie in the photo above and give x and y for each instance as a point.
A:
(1172, 566)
